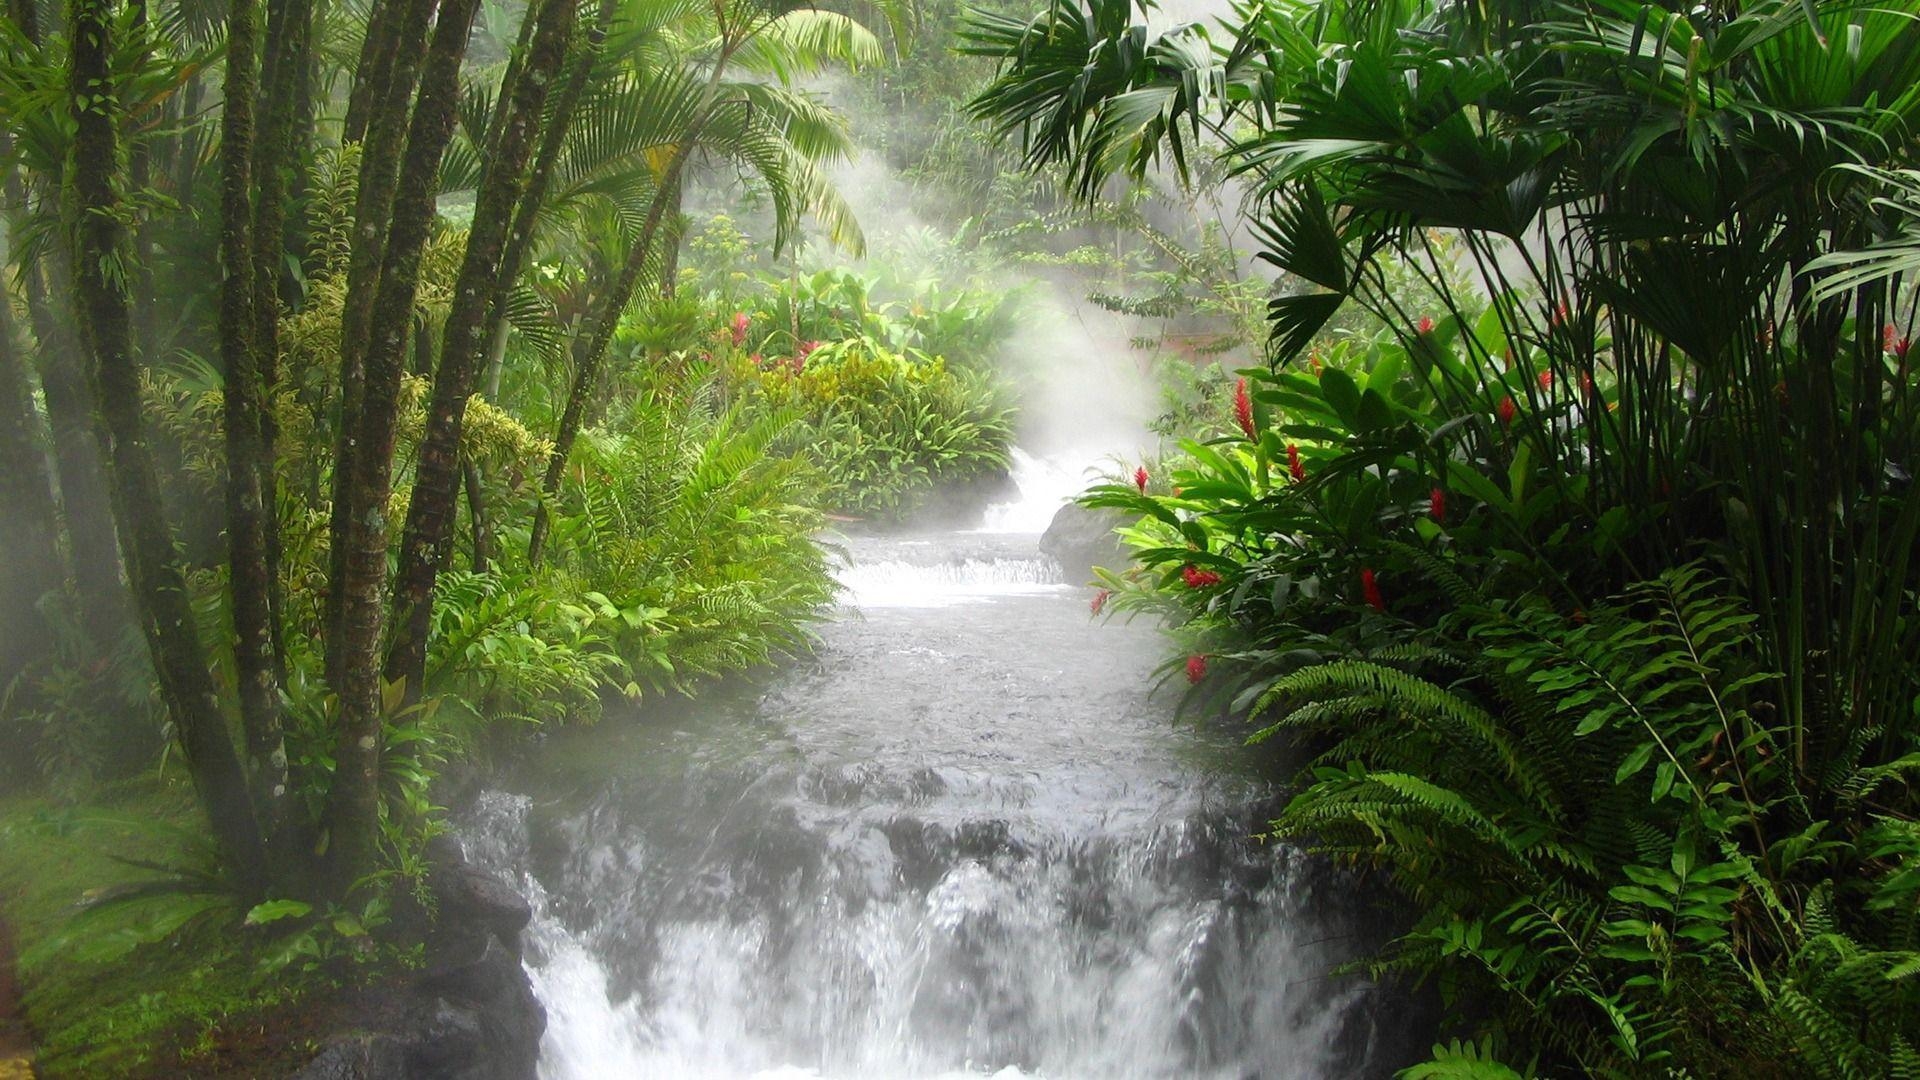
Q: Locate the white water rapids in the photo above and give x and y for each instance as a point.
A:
(963, 839)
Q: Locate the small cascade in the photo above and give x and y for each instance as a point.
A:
(1045, 485)
(961, 840)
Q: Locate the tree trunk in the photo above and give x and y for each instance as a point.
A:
(28, 529)
(385, 141)
(159, 589)
(477, 516)
(86, 507)
(436, 486)
(526, 215)
(369, 87)
(250, 575)
(352, 818)
(289, 33)
(596, 337)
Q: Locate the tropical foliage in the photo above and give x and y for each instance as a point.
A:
(380, 498)
(1585, 586)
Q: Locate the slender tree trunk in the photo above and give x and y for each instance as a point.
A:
(370, 75)
(526, 215)
(436, 485)
(289, 36)
(146, 330)
(159, 588)
(385, 141)
(477, 516)
(352, 815)
(85, 505)
(250, 576)
(590, 347)
(29, 531)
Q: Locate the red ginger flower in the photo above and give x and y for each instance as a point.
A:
(1099, 601)
(1197, 578)
(1546, 379)
(806, 349)
(739, 328)
(1243, 408)
(1371, 589)
(1140, 479)
(1425, 326)
(1294, 466)
(1437, 504)
(1888, 335)
(1196, 668)
(1507, 410)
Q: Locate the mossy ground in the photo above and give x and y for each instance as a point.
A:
(111, 996)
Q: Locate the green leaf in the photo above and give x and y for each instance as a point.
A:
(273, 911)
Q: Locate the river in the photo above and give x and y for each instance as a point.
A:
(965, 837)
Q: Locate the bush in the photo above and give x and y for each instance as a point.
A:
(888, 429)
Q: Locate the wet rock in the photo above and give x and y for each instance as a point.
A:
(357, 1057)
(474, 898)
(1081, 538)
(470, 1013)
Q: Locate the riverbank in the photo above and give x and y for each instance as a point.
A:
(106, 997)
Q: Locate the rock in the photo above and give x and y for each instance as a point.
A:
(1080, 538)
(357, 1057)
(468, 894)
(470, 1013)
(476, 1019)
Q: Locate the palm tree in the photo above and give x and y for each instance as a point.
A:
(682, 106)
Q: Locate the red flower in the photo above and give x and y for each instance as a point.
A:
(1546, 379)
(806, 349)
(1196, 668)
(1313, 361)
(758, 360)
(1425, 326)
(1560, 313)
(1099, 601)
(1900, 348)
(1888, 335)
(1197, 578)
(739, 328)
(1437, 504)
(1371, 589)
(1140, 479)
(1507, 410)
(1298, 470)
(1243, 408)
(1586, 383)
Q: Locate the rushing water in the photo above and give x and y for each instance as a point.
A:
(962, 839)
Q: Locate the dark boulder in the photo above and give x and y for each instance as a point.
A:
(470, 1012)
(1081, 538)
(358, 1057)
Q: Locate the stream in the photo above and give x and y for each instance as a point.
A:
(965, 837)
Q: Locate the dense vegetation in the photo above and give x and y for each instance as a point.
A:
(1588, 582)
(380, 381)
(356, 413)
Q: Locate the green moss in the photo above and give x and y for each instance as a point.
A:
(115, 993)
